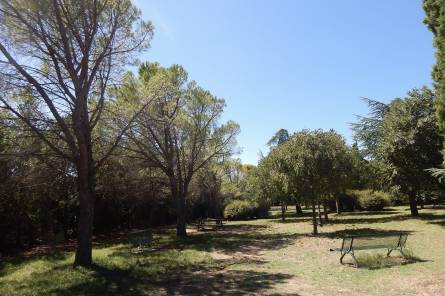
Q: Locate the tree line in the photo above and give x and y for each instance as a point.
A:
(87, 146)
(397, 147)
(77, 125)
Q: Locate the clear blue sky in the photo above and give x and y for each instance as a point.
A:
(293, 64)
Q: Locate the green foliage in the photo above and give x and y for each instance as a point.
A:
(238, 210)
(368, 129)
(411, 142)
(316, 163)
(348, 200)
(371, 200)
(397, 197)
(177, 130)
(281, 136)
(435, 20)
(404, 141)
(245, 209)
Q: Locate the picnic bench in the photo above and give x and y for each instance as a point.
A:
(213, 223)
(390, 242)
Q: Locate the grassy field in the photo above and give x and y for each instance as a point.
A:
(256, 257)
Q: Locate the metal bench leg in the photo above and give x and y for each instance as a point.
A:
(352, 255)
(341, 257)
(403, 253)
(355, 259)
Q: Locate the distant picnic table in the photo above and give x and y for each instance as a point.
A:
(390, 242)
(212, 223)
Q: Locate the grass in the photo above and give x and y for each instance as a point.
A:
(373, 260)
(264, 256)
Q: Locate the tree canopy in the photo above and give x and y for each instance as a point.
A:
(405, 139)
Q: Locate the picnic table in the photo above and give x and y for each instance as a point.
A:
(390, 242)
(214, 223)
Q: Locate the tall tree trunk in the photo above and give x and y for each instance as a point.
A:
(180, 216)
(298, 209)
(413, 204)
(85, 186)
(338, 205)
(283, 210)
(178, 196)
(314, 219)
(320, 220)
(325, 211)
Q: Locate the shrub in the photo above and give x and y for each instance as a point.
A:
(397, 197)
(261, 210)
(238, 210)
(245, 209)
(348, 201)
(371, 200)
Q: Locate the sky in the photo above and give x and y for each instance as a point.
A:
(293, 64)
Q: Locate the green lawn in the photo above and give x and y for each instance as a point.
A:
(255, 257)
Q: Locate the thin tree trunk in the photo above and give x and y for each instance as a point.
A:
(283, 210)
(338, 205)
(298, 210)
(320, 220)
(325, 211)
(180, 216)
(413, 204)
(314, 219)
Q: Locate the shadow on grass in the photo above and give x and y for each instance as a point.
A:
(243, 238)
(151, 274)
(247, 239)
(291, 220)
(368, 220)
(379, 261)
(362, 213)
(233, 282)
(363, 232)
(433, 219)
(289, 215)
(440, 223)
(368, 217)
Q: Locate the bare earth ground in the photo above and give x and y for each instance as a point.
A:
(258, 257)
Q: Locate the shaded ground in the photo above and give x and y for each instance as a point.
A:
(257, 257)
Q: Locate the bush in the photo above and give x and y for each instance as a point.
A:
(261, 210)
(371, 200)
(245, 209)
(397, 197)
(348, 201)
(238, 210)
